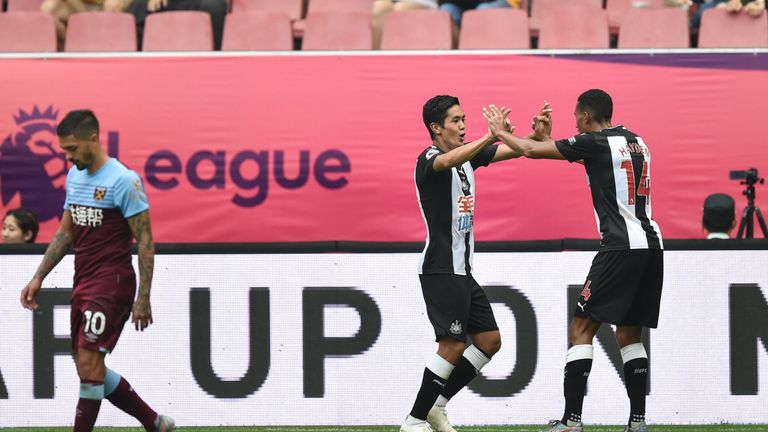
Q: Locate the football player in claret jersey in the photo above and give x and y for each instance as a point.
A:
(105, 208)
(624, 285)
(456, 304)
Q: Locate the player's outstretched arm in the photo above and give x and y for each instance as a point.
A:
(142, 232)
(57, 248)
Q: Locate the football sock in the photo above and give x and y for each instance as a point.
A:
(435, 376)
(471, 363)
(118, 391)
(578, 363)
(636, 379)
(91, 393)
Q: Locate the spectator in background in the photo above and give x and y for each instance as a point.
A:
(702, 5)
(20, 226)
(62, 9)
(216, 8)
(383, 7)
(456, 9)
(753, 8)
(719, 216)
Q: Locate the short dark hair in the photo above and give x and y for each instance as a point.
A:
(436, 110)
(719, 212)
(597, 103)
(27, 221)
(80, 123)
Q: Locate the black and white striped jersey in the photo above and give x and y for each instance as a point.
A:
(618, 165)
(447, 202)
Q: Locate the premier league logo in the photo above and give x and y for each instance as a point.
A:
(30, 165)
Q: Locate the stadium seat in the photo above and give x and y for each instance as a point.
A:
(293, 8)
(178, 31)
(616, 9)
(720, 29)
(24, 5)
(257, 31)
(655, 28)
(339, 6)
(338, 31)
(101, 31)
(417, 29)
(27, 32)
(541, 8)
(362, 6)
(573, 28)
(494, 29)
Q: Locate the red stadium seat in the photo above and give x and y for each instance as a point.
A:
(27, 32)
(101, 31)
(24, 5)
(338, 31)
(494, 29)
(362, 6)
(541, 8)
(339, 6)
(257, 31)
(616, 10)
(573, 28)
(720, 29)
(416, 29)
(178, 31)
(292, 8)
(655, 28)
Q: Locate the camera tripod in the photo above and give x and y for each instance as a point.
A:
(747, 220)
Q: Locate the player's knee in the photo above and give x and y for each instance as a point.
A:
(628, 335)
(450, 349)
(90, 368)
(491, 345)
(581, 332)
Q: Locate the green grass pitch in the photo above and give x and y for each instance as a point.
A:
(528, 428)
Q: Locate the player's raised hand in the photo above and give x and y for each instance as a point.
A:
(497, 119)
(29, 293)
(142, 313)
(542, 123)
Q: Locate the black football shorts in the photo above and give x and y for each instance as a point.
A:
(623, 288)
(456, 305)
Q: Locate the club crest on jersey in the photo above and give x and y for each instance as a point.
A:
(455, 327)
(586, 292)
(99, 193)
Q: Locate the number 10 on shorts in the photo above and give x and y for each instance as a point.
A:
(94, 322)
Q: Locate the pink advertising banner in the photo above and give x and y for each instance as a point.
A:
(310, 148)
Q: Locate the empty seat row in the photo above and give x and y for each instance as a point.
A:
(563, 28)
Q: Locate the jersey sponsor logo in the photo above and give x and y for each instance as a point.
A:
(586, 293)
(86, 216)
(31, 166)
(99, 193)
(466, 218)
(431, 153)
(455, 327)
(466, 204)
